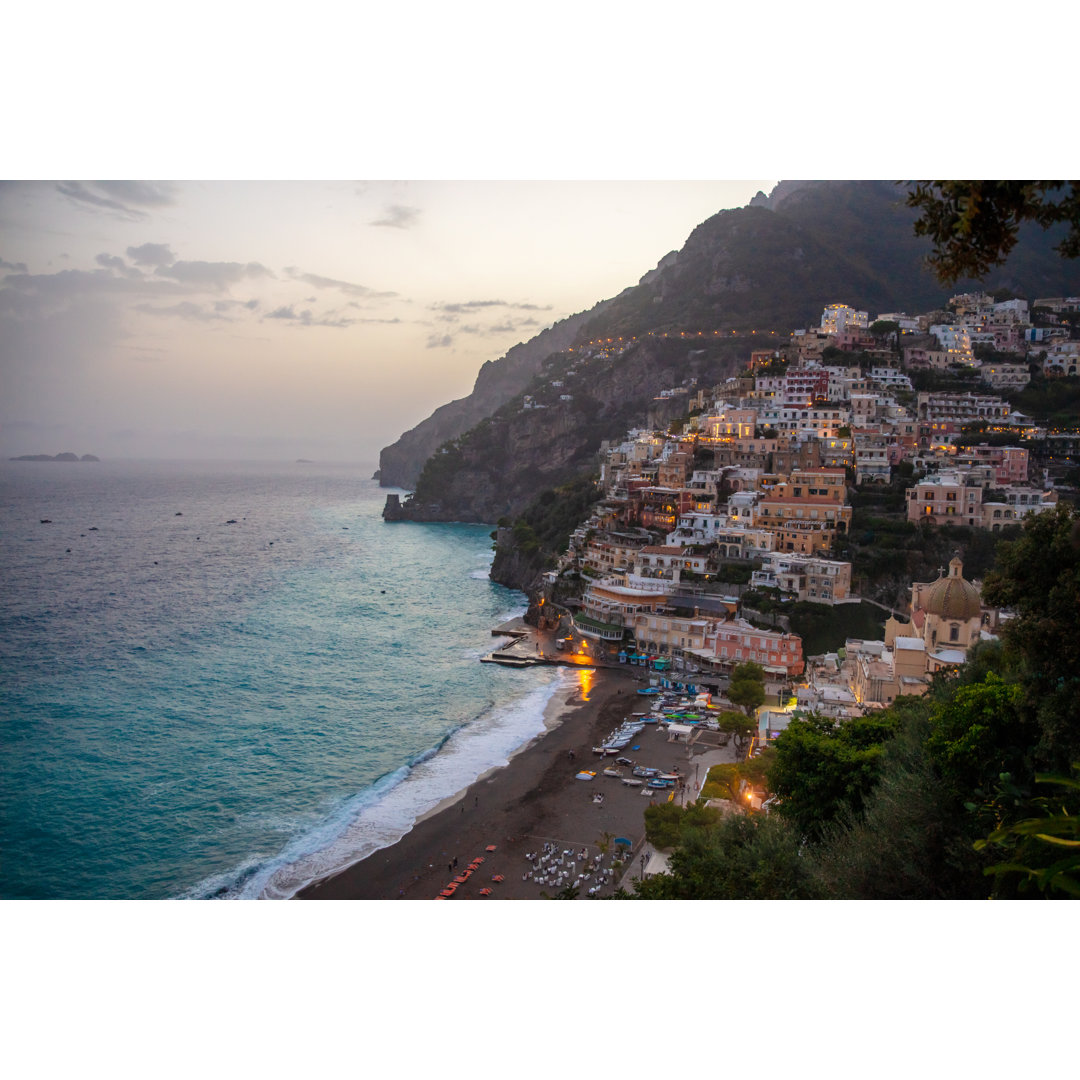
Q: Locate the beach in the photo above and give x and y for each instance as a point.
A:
(535, 800)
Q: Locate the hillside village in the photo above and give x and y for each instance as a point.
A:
(745, 503)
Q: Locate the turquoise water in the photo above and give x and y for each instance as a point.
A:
(196, 708)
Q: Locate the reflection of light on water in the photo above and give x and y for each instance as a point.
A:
(585, 681)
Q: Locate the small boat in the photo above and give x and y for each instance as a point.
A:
(600, 750)
(648, 690)
(612, 772)
(656, 784)
(632, 783)
(611, 750)
(673, 777)
(585, 774)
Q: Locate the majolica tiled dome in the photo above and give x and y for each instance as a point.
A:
(952, 597)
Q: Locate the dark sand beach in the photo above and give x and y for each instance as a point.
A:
(533, 800)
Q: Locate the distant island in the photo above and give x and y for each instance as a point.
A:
(55, 457)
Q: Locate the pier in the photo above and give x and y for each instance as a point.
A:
(529, 647)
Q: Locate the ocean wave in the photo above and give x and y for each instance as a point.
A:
(381, 815)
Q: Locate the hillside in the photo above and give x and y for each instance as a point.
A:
(497, 382)
(744, 277)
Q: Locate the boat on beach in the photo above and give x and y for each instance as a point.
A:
(632, 783)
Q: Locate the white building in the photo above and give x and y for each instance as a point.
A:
(836, 318)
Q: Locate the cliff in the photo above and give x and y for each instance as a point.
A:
(497, 382)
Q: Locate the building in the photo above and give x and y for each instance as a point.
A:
(806, 510)
(836, 318)
(946, 619)
(946, 498)
(735, 641)
(808, 577)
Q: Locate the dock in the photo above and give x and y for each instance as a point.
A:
(530, 647)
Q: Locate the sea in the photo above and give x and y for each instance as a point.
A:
(226, 680)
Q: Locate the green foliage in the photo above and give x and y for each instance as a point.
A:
(823, 767)
(742, 857)
(974, 224)
(912, 841)
(665, 823)
(746, 689)
(662, 822)
(725, 780)
(739, 726)
(1038, 575)
(1052, 402)
(1051, 840)
(825, 629)
(978, 734)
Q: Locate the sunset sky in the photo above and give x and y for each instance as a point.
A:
(276, 320)
(224, 318)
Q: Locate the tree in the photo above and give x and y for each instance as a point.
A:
(747, 687)
(974, 223)
(741, 857)
(1052, 839)
(739, 727)
(1038, 576)
(823, 767)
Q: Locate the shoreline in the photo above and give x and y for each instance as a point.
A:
(556, 712)
(534, 799)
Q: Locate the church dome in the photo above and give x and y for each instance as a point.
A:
(952, 597)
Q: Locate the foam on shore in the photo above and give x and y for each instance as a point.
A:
(380, 816)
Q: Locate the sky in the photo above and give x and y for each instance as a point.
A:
(274, 320)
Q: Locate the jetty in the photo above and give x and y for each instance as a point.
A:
(529, 647)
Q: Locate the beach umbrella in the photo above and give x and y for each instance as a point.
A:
(622, 840)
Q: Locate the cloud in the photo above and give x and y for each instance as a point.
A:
(186, 309)
(306, 318)
(20, 267)
(151, 255)
(212, 275)
(512, 326)
(122, 198)
(33, 293)
(140, 192)
(114, 262)
(440, 342)
(462, 306)
(346, 287)
(398, 217)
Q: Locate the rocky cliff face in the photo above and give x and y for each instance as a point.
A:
(497, 382)
(497, 468)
